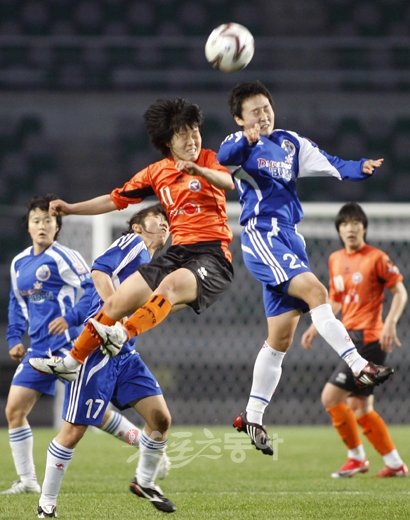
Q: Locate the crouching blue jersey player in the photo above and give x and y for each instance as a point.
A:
(124, 380)
(266, 164)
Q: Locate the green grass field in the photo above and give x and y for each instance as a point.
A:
(206, 482)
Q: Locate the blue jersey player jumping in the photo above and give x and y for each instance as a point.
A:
(124, 380)
(266, 164)
(49, 297)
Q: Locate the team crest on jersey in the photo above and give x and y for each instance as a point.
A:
(288, 146)
(357, 278)
(194, 185)
(43, 273)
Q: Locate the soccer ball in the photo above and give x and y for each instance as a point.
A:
(229, 47)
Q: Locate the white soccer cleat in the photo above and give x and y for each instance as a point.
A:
(19, 487)
(55, 366)
(112, 337)
(164, 467)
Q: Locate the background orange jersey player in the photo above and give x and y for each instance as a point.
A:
(359, 275)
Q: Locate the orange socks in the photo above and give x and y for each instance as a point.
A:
(87, 343)
(377, 433)
(344, 421)
(148, 316)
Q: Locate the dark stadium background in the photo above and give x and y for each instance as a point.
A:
(75, 78)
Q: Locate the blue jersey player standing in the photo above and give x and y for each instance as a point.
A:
(124, 380)
(49, 297)
(266, 164)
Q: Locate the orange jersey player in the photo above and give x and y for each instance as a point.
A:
(196, 209)
(196, 269)
(357, 281)
(359, 275)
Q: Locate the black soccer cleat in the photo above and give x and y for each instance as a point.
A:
(47, 512)
(373, 375)
(256, 432)
(154, 495)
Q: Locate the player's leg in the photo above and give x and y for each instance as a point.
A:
(85, 403)
(59, 455)
(307, 287)
(178, 287)
(153, 440)
(377, 433)
(267, 372)
(344, 421)
(116, 424)
(157, 419)
(20, 402)
(132, 293)
(137, 387)
(175, 279)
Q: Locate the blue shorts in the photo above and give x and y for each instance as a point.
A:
(121, 380)
(26, 375)
(274, 255)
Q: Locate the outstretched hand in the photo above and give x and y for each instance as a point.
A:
(370, 165)
(58, 207)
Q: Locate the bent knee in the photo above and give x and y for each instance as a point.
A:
(15, 416)
(161, 421)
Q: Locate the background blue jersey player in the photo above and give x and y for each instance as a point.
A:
(266, 165)
(124, 380)
(49, 297)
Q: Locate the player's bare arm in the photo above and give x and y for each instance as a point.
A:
(370, 165)
(388, 337)
(95, 206)
(217, 178)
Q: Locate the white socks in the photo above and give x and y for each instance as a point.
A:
(150, 455)
(21, 444)
(267, 371)
(122, 428)
(70, 362)
(357, 453)
(58, 460)
(393, 459)
(334, 332)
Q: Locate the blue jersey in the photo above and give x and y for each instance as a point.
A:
(265, 173)
(125, 378)
(119, 261)
(55, 283)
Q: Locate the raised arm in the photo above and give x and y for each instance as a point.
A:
(96, 206)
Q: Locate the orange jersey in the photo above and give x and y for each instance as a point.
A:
(357, 281)
(196, 209)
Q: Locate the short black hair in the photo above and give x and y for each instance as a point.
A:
(243, 91)
(42, 202)
(140, 216)
(165, 117)
(351, 211)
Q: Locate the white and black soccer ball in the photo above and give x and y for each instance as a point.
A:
(230, 47)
